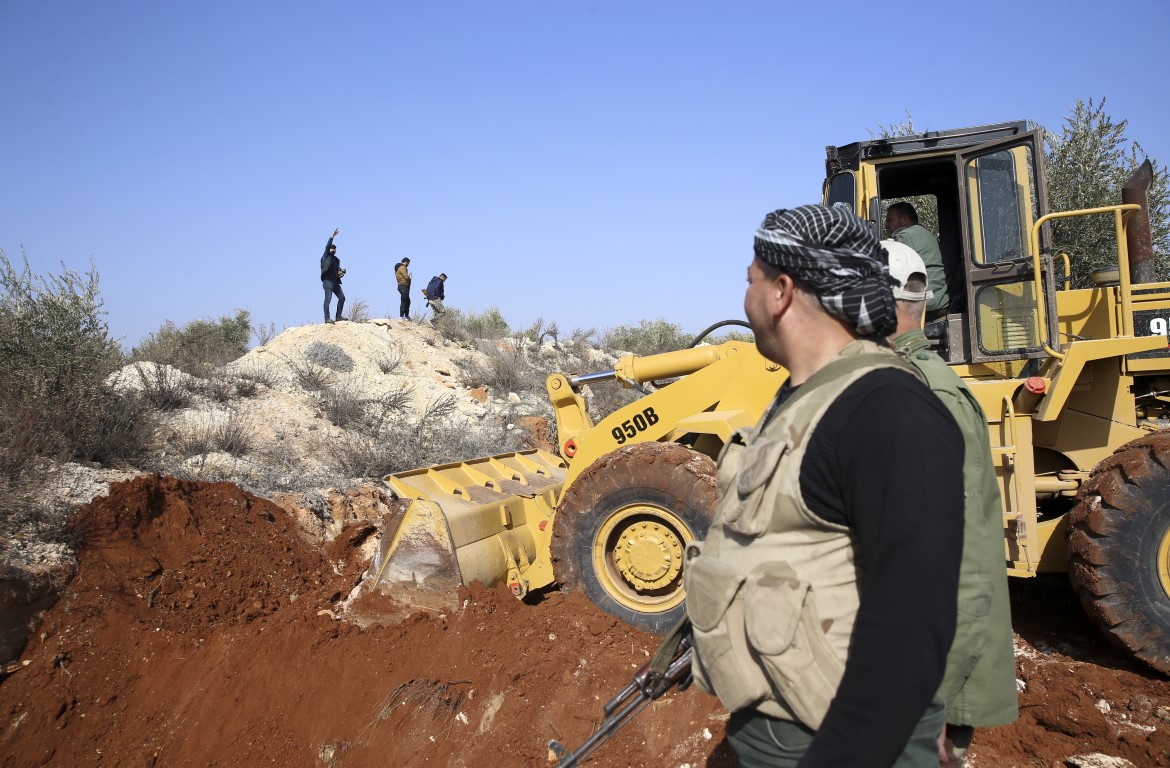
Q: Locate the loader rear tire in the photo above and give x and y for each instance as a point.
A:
(622, 527)
(1119, 548)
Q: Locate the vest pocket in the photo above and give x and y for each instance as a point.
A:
(722, 663)
(784, 631)
(757, 465)
(728, 464)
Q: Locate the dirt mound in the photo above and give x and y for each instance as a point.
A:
(200, 630)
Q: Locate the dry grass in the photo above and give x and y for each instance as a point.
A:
(506, 369)
(223, 434)
(310, 377)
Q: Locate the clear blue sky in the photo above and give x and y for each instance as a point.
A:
(591, 163)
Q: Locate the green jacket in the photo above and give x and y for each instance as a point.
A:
(979, 686)
(919, 238)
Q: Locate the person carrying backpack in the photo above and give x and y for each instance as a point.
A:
(435, 294)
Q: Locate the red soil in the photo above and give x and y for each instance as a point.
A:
(199, 630)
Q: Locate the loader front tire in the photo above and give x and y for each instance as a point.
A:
(623, 525)
(1119, 548)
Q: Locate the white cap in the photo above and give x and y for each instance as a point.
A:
(904, 262)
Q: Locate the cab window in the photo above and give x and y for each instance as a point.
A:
(1000, 196)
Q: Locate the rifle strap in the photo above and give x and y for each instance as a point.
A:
(665, 653)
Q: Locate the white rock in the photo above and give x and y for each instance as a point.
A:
(1097, 760)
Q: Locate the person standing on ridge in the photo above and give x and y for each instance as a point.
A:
(402, 275)
(331, 274)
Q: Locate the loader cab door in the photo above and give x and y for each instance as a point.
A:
(1001, 194)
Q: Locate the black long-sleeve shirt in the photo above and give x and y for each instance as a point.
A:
(330, 264)
(887, 461)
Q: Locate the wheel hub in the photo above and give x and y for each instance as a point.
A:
(1164, 562)
(648, 555)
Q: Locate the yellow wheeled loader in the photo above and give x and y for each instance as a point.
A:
(612, 514)
(1075, 383)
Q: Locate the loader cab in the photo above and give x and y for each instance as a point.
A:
(979, 190)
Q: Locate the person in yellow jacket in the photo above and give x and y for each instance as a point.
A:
(402, 275)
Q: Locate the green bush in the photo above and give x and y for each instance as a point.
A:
(541, 330)
(198, 346)
(56, 352)
(649, 337)
(459, 326)
(489, 324)
(744, 336)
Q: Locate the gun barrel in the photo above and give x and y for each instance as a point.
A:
(608, 728)
(617, 701)
(640, 691)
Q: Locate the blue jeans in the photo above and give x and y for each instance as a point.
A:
(332, 288)
(765, 742)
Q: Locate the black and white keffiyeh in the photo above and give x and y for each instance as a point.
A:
(835, 254)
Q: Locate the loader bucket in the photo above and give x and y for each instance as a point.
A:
(487, 520)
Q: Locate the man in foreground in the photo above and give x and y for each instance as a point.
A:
(823, 599)
(979, 687)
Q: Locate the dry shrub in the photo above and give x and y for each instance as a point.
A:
(439, 408)
(219, 388)
(329, 356)
(388, 407)
(605, 397)
(540, 330)
(582, 343)
(344, 405)
(388, 362)
(121, 432)
(163, 386)
(252, 376)
(312, 378)
(359, 311)
(505, 370)
(451, 327)
(225, 434)
(246, 387)
(364, 456)
(264, 333)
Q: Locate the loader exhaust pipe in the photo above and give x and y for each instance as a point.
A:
(1137, 239)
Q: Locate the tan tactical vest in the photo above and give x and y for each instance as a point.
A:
(772, 592)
